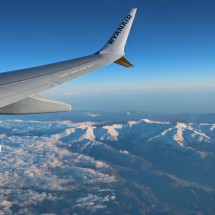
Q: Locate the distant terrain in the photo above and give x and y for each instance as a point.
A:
(119, 116)
(93, 162)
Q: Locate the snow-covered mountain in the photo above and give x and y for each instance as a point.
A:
(130, 167)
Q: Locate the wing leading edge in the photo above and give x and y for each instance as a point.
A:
(19, 89)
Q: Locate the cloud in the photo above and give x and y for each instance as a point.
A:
(94, 202)
(124, 152)
(64, 93)
(5, 204)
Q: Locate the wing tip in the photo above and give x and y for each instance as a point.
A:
(116, 44)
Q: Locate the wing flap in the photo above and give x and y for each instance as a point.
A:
(33, 105)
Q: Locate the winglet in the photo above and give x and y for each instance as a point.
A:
(117, 42)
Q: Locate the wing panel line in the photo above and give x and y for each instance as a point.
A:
(53, 72)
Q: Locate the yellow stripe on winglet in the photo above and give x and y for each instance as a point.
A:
(124, 62)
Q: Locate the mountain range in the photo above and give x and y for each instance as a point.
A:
(139, 166)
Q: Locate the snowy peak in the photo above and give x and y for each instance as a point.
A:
(145, 130)
(178, 137)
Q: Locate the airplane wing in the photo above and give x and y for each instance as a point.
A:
(19, 89)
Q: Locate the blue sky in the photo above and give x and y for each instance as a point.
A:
(171, 45)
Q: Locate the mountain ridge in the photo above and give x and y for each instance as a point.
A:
(142, 166)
